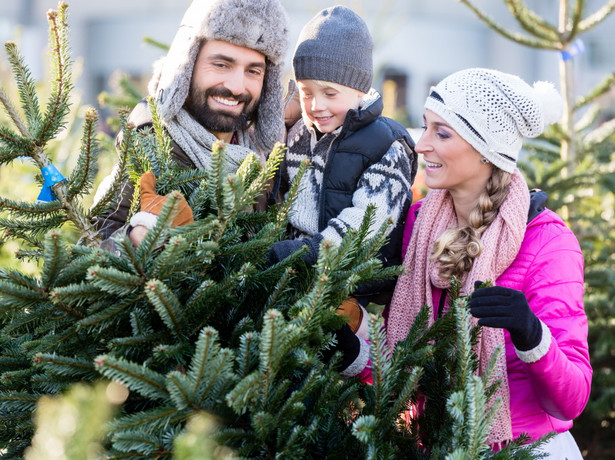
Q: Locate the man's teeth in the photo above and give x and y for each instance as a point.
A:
(225, 101)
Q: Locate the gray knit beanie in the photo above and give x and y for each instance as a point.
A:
(336, 46)
(494, 110)
(261, 25)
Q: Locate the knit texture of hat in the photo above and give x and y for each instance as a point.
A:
(261, 25)
(493, 111)
(336, 46)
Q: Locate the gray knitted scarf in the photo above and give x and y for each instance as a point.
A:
(196, 142)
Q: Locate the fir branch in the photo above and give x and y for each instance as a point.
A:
(15, 298)
(114, 281)
(140, 379)
(163, 150)
(531, 22)
(27, 209)
(27, 91)
(12, 112)
(247, 354)
(55, 257)
(518, 38)
(58, 103)
(66, 367)
(119, 171)
(18, 401)
(167, 306)
(106, 317)
(14, 146)
(158, 418)
(181, 391)
(80, 181)
(595, 18)
(169, 259)
(600, 89)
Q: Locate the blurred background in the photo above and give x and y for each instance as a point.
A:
(416, 42)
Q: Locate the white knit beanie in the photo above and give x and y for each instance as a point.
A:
(261, 25)
(493, 111)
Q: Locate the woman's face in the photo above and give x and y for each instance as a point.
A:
(451, 163)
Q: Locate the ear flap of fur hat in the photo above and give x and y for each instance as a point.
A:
(261, 25)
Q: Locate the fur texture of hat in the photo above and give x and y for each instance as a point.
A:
(494, 110)
(261, 25)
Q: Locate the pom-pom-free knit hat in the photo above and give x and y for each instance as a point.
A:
(493, 111)
(261, 25)
(336, 46)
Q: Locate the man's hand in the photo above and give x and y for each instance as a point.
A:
(151, 205)
(137, 234)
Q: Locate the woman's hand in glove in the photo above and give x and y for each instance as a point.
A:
(506, 308)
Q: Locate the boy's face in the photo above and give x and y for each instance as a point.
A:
(325, 104)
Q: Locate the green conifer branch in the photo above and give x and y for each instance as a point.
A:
(66, 366)
(58, 104)
(55, 257)
(600, 89)
(518, 38)
(166, 304)
(247, 354)
(114, 281)
(14, 146)
(99, 320)
(595, 18)
(12, 112)
(140, 379)
(27, 93)
(120, 171)
(80, 181)
(531, 22)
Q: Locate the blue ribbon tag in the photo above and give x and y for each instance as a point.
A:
(576, 47)
(51, 176)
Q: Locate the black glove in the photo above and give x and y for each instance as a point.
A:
(347, 343)
(506, 308)
(282, 249)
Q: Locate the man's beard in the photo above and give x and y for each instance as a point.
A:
(219, 121)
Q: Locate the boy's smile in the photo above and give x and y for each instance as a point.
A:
(325, 104)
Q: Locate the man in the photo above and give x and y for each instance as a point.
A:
(221, 79)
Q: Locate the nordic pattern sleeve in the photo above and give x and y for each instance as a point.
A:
(561, 378)
(385, 184)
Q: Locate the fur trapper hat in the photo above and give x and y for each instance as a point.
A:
(261, 25)
(493, 111)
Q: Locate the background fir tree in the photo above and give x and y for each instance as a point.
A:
(196, 320)
(574, 162)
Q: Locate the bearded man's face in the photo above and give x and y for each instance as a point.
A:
(226, 86)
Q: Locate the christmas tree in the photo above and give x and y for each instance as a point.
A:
(196, 320)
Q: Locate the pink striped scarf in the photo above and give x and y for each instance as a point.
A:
(501, 242)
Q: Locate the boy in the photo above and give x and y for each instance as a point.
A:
(358, 157)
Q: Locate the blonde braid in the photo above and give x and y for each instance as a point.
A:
(457, 248)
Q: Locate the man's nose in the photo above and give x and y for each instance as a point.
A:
(235, 82)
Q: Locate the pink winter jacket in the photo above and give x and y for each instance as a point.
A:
(545, 395)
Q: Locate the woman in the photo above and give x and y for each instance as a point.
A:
(476, 223)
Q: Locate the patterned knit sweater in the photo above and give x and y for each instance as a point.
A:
(386, 184)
